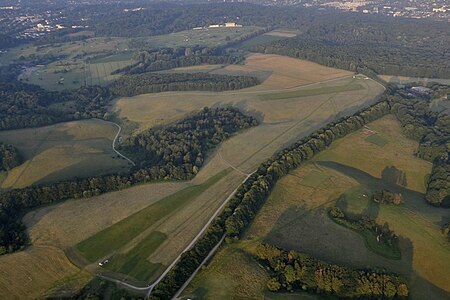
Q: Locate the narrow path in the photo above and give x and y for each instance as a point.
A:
(115, 140)
(202, 231)
(213, 251)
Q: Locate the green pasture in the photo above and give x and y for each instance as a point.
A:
(121, 233)
(311, 92)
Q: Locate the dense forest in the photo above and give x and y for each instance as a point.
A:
(251, 195)
(158, 59)
(131, 85)
(186, 144)
(293, 271)
(24, 105)
(9, 157)
(432, 131)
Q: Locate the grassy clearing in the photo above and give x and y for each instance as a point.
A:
(121, 233)
(134, 262)
(31, 273)
(314, 178)
(377, 140)
(311, 92)
(63, 151)
(295, 216)
(356, 151)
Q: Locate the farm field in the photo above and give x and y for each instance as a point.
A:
(91, 61)
(63, 151)
(295, 217)
(67, 224)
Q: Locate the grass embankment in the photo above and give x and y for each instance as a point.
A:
(121, 233)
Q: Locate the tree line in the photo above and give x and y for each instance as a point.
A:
(251, 195)
(185, 146)
(366, 224)
(9, 157)
(387, 197)
(131, 85)
(186, 142)
(294, 271)
(158, 59)
(432, 131)
(26, 105)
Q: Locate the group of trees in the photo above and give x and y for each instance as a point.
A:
(292, 270)
(157, 59)
(432, 131)
(9, 157)
(186, 142)
(131, 85)
(362, 223)
(387, 197)
(250, 196)
(370, 47)
(446, 230)
(24, 105)
(174, 152)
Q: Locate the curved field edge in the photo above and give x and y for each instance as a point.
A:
(292, 207)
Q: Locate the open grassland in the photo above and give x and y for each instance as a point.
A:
(63, 151)
(31, 273)
(91, 61)
(66, 224)
(107, 241)
(311, 92)
(295, 216)
(397, 151)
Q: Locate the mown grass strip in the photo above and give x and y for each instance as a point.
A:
(121, 233)
(135, 263)
(310, 92)
(377, 140)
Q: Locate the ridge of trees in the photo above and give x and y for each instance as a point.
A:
(379, 238)
(387, 197)
(186, 144)
(432, 131)
(131, 85)
(26, 105)
(292, 271)
(9, 157)
(158, 59)
(251, 195)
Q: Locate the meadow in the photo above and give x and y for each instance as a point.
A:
(62, 151)
(91, 61)
(295, 217)
(65, 225)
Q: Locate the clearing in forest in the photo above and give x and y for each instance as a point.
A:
(63, 151)
(295, 217)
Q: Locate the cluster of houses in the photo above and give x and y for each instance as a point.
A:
(226, 25)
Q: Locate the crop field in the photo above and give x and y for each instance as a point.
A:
(295, 217)
(66, 225)
(62, 151)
